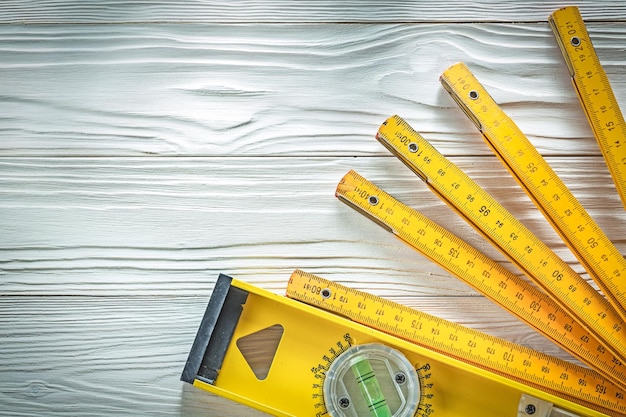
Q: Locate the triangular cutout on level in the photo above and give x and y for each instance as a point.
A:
(259, 349)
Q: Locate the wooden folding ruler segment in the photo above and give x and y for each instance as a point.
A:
(604, 263)
(506, 233)
(594, 91)
(323, 364)
(482, 273)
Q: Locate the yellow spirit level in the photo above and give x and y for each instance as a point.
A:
(323, 364)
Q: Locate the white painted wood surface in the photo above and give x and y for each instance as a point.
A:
(146, 147)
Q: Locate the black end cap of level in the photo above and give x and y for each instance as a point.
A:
(215, 332)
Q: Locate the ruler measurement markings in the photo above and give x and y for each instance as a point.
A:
(554, 200)
(487, 352)
(594, 91)
(487, 276)
(507, 234)
(560, 205)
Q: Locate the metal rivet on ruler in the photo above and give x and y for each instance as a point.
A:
(326, 293)
(530, 409)
(575, 41)
(473, 94)
(413, 147)
(373, 200)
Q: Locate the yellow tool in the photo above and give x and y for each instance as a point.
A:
(479, 271)
(598, 255)
(594, 91)
(322, 364)
(506, 233)
(450, 339)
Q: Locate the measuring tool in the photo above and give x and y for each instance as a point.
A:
(594, 91)
(594, 250)
(482, 273)
(467, 345)
(322, 364)
(506, 233)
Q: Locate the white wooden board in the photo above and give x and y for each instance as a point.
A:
(280, 11)
(145, 147)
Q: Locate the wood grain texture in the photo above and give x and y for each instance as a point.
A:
(281, 89)
(145, 147)
(100, 356)
(281, 11)
(163, 225)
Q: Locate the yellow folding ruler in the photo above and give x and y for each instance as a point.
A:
(482, 273)
(506, 233)
(604, 263)
(594, 91)
(323, 364)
